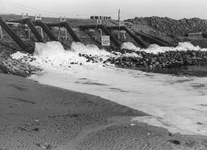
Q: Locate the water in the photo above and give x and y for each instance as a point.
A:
(177, 103)
(198, 71)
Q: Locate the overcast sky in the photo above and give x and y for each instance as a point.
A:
(175, 9)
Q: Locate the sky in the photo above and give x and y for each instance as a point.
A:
(176, 9)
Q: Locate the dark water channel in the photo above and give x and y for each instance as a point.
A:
(198, 71)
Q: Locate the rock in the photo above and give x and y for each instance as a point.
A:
(16, 67)
(169, 59)
(44, 145)
(176, 142)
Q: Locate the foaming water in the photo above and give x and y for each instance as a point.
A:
(90, 49)
(130, 46)
(53, 53)
(199, 71)
(154, 48)
(176, 103)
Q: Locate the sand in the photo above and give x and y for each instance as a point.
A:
(37, 117)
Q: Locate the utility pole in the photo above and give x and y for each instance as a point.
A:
(1, 33)
(62, 19)
(119, 25)
(38, 27)
(119, 22)
(24, 27)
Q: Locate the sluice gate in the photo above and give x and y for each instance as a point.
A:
(46, 29)
(112, 38)
(153, 39)
(139, 41)
(104, 29)
(67, 27)
(34, 30)
(31, 26)
(13, 35)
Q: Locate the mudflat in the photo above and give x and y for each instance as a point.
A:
(37, 117)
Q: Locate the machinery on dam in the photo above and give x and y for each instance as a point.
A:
(39, 28)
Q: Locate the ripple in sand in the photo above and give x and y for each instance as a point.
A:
(134, 138)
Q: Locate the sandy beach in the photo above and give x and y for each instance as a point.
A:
(37, 117)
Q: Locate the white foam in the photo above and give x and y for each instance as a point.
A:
(154, 48)
(130, 46)
(54, 53)
(172, 104)
(18, 55)
(49, 50)
(90, 49)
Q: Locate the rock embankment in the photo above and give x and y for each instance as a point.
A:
(16, 67)
(171, 26)
(123, 59)
(141, 59)
(168, 59)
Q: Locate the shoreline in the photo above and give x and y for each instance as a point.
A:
(37, 116)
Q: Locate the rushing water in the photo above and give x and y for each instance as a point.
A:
(177, 103)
